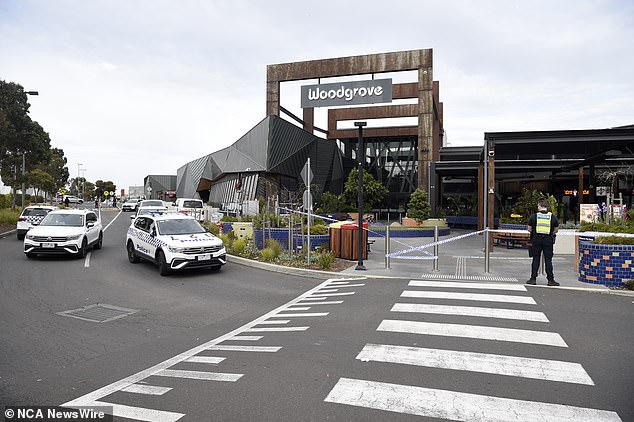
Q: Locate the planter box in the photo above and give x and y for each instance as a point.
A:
(565, 244)
(605, 264)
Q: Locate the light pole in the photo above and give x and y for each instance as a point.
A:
(24, 157)
(77, 184)
(360, 160)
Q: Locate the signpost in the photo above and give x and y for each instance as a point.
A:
(307, 198)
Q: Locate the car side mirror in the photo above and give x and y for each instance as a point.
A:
(153, 233)
(90, 225)
(35, 223)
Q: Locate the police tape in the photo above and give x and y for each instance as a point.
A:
(432, 244)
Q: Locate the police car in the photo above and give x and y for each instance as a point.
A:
(174, 242)
(31, 216)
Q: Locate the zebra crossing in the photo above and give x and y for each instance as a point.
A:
(411, 318)
(279, 320)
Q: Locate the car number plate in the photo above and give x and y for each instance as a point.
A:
(48, 245)
(205, 257)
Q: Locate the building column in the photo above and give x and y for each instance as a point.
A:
(425, 124)
(580, 188)
(309, 119)
(481, 196)
(491, 194)
(592, 197)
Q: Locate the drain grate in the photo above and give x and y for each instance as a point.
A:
(468, 277)
(99, 312)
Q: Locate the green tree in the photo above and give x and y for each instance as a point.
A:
(526, 205)
(56, 167)
(40, 180)
(418, 207)
(373, 191)
(105, 186)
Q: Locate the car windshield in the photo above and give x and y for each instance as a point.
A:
(192, 204)
(35, 212)
(59, 219)
(150, 211)
(180, 226)
(152, 203)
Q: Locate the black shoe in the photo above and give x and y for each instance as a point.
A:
(531, 281)
(553, 283)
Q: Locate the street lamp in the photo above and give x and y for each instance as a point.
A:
(24, 157)
(360, 160)
(77, 184)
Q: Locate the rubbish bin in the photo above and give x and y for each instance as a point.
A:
(334, 230)
(349, 241)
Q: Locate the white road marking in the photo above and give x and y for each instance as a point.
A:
(298, 308)
(205, 359)
(347, 285)
(330, 294)
(309, 298)
(471, 311)
(265, 349)
(455, 406)
(275, 329)
(138, 413)
(302, 314)
(331, 302)
(327, 291)
(110, 223)
(466, 285)
(473, 331)
(199, 375)
(87, 260)
(275, 321)
(338, 283)
(154, 415)
(550, 370)
(146, 389)
(470, 296)
(246, 338)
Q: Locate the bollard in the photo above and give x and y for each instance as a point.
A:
(436, 249)
(387, 247)
(486, 250)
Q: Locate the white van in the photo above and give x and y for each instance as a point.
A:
(189, 206)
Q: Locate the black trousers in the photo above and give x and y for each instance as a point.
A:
(542, 244)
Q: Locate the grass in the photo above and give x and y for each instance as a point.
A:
(9, 217)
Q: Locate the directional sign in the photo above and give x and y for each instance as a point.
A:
(307, 200)
(111, 193)
(307, 174)
(106, 193)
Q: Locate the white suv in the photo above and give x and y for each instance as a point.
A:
(66, 231)
(31, 216)
(174, 242)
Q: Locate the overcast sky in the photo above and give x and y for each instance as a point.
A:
(136, 87)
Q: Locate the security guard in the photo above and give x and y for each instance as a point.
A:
(543, 228)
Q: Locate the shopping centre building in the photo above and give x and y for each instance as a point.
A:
(403, 145)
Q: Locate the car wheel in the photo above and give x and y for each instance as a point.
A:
(84, 249)
(163, 267)
(99, 241)
(21, 236)
(132, 254)
(30, 255)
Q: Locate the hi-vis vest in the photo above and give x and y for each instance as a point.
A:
(543, 223)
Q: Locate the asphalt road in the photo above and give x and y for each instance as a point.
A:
(244, 344)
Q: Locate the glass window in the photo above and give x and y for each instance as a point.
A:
(178, 226)
(59, 219)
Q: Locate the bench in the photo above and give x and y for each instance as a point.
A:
(511, 240)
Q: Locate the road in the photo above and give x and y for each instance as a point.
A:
(245, 344)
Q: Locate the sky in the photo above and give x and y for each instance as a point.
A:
(129, 88)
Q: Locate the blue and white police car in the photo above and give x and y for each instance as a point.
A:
(31, 216)
(174, 242)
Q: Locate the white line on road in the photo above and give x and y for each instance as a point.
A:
(455, 406)
(470, 296)
(138, 413)
(320, 294)
(265, 349)
(199, 375)
(330, 302)
(151, 390)
(307, 299)
(550, 370)
(346, 285)
(299, 308)
(246, 338)
(204, 359)
(302, 314)
(87, 260)
(275, 329)
(275, 321)
(110, 223)
(471, 311)
(473, 331)
(467, 285)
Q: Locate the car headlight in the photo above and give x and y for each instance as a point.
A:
(176, 249)
(30, 236)
(75, 237)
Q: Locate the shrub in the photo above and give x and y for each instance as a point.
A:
(614, 240)
(268, 255)
(238, 246)
(227, 239)
(213, 229)
(628, 284)
(6, 200)
(316, 230)
(609, 228)
(229, 219)
(9, 217)
(326, 259)
(275, 246)
(418, 207)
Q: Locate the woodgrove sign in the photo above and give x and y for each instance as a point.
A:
(347, 93)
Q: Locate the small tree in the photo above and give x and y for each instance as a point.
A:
(526, 205)
(373, 190)
(418, 207)
(40, 179)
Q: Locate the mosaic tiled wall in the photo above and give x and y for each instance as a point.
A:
(605, 264)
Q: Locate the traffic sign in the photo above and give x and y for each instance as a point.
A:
(307, 173)
(111, 193)
(307, 200)
(106, 193)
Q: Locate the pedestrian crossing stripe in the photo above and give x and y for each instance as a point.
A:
(457, 406)
(469, 296)
(472, 311)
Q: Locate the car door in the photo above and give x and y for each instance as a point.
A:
(92, 233)
(142, 236)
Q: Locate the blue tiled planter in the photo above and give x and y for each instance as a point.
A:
(227, 227)
(315, 240)
(605, 264)
(279, 234)
(379, 231)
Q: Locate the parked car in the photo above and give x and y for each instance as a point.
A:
(151, 203)
(65, 231)
(72, 199)
(31, 215)
(174, 242)
(149, 211)
(189, 206)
